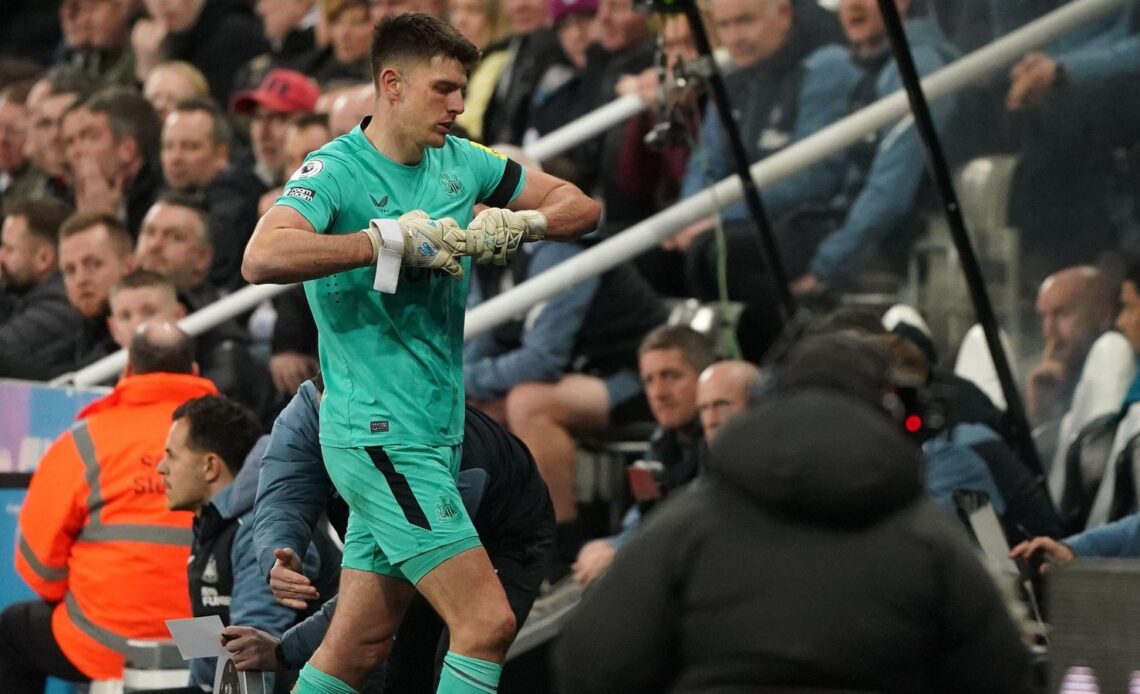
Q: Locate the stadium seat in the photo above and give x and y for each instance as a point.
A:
(1085, 465)
(1108, 369)
(1118, 488)
(975, 364)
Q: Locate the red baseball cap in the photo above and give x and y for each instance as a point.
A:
(281, 91)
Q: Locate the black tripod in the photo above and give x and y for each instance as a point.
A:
(707, 69)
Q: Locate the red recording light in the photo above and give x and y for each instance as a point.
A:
(913, 423)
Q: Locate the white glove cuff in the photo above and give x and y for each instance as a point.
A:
(535, 224)
(391, 255)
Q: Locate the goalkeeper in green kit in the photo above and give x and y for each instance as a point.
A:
(379, 225)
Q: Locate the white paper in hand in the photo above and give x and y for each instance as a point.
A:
(197, 637)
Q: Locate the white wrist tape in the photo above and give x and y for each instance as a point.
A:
(391, 256)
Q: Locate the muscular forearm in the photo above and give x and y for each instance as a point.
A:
(569, 213)
(284, 255)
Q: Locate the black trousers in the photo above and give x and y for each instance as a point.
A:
(28, 651)
(421, 642)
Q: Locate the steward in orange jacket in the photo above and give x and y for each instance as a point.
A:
(96, 540)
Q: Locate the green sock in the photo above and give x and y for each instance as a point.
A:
(313, 681)
(463, 675)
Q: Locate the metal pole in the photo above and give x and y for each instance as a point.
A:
(769, 253)
(940, 172)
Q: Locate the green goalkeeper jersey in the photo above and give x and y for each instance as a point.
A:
(393, 363)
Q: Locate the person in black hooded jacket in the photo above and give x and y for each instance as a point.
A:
(806, 558)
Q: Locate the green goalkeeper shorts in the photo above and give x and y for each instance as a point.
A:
(405, 513)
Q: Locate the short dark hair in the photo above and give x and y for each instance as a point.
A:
(196, 203)
(310, 120)
(220, 131)
(149, 353)
(130, 115)
(140, 278)
(82, 221)
(45, 216)
(420, 37)
(698, 349)
(221, 426)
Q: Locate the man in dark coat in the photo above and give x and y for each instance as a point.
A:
(806, 558)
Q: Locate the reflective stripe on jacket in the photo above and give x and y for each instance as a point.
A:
(95, 532)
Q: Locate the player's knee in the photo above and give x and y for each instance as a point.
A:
(491, 630)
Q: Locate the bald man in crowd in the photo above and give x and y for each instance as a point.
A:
(722, 393)
(1076, 305)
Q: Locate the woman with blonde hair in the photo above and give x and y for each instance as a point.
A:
(483, 23)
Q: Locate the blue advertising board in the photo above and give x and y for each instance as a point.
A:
(32, 415)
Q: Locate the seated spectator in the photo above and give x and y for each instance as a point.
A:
(16, 176)
(97, 543)
(785, 90)
(289, 26)
(112, 145)
(196, 141)
(483, 23)
(562, 94)
(350, 39)
(624, 46)
(566, 369)
(723, 391)
(1073, 110)
(809, 543)
(37, 324)
(94, 253)
(102, 29)
(671, 359)
(172, 82)
(828, 233)
(176, 243)
(52, 96)
(1076, 307)
(208, 471)
(283, 93)
(215, 36)
(531, 49)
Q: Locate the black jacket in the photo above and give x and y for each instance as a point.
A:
(805, 558)
(37, 331)
(232, 200)
(508, 110)
(226, 36)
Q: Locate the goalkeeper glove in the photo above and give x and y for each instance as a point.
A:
(413, 240)
(495, 234)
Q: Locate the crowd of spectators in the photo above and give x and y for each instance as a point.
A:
(141, 140)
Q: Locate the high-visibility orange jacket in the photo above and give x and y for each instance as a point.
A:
(95, 532)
